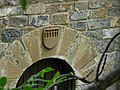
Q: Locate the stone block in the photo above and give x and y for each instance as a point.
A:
(35, 8)
(99, 23)
(32, 43)
(67, 44)
(78, 25)
(115, 11)
(38, 20)
(115, 22)
(93, 4)
(86, 49)
(78, 15)
(15, 60)
(13, 10)
(10, 11)
(52, 8)
(81, 5)
(10, 34)
(59, 18)
(99, 13)
(18, 20)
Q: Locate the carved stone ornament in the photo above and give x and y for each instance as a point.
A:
(50, 37)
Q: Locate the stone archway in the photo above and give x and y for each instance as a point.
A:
(57, 64)
(69, 44)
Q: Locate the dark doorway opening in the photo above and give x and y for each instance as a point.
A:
(58, 64)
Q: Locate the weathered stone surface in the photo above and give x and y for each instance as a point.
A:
(10, 34)
(51, 1)
(2, 2)
(67, 43)
(60, 18)
(12, 2)
(114, 11)
(2, 13)
(12, 10)
(101, 45)
(113, 57)
(78, 25)
(18, 56)
(94, 35)
(52, 8)
(12, 71)
(38, 20)
(99, 23)
(32, 44)
(87, 71)
(115, 3)
(6, 22)
(115, 22)
(19, 20)
(3, 47)
(11, 83)
(78, 15)
(95, 4)
(1, 22)
(109, 33)
(81, 5)
(35, 8)
(99, 13)
(33, 1)
(86, 49)
(108, 68)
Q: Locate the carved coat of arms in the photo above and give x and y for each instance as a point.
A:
(50, 37)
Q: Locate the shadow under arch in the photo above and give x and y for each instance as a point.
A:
(58, 64)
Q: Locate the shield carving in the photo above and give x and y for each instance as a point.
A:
(50, 37)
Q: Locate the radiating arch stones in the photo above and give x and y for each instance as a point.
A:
(75, 48)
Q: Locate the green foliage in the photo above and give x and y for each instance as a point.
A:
(3, 81)
(32, 81)
(24, 4)
(46, 70)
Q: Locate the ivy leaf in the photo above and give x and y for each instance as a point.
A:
(3, 81)
(57, 74)
(40, 88)
(1, 88)
(24, 4)
(46, 70)
(14, 89)
(27, 88)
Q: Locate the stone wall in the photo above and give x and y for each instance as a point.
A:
(99, 20)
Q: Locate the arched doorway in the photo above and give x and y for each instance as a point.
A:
(58, 64)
